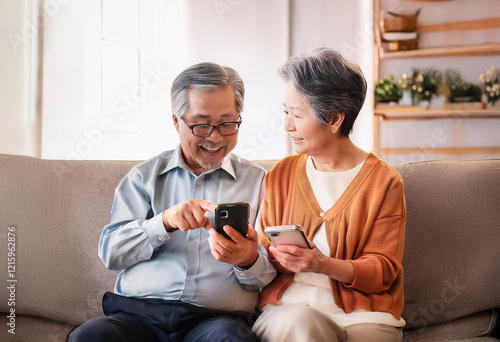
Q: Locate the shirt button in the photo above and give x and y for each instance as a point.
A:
(161, 238)
(322, 214)
(189, 279)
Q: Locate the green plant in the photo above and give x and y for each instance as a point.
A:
(491, 86)
(425, 84)
(387, 91)
(461, 91)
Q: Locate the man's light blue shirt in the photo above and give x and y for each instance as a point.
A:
(179, 265)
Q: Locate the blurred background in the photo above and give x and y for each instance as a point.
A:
(90, 79)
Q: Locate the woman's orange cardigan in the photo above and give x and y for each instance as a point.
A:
(365, 226)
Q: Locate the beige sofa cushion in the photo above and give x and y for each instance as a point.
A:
(58, 223)
(453, 222)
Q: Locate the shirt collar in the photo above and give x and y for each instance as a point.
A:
(177, 161)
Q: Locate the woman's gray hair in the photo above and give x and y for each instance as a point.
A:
(205, 77)
(330, 83)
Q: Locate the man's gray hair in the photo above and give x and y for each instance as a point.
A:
(330, 83)
(205, 77)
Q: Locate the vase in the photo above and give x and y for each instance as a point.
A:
(424, 103)
(406, 99)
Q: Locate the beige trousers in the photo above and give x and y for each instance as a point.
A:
(299, 323)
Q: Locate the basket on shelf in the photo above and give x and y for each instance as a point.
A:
(399, 30)
(400, 24)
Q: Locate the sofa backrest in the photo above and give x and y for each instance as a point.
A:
(452, 241)
(58, 209)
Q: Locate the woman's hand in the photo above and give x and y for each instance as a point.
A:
(298, 259)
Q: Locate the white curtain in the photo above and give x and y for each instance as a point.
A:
(21, 24)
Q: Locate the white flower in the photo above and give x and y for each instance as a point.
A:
(490, 79)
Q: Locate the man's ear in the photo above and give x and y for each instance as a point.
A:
(176, 121)
(336, 123)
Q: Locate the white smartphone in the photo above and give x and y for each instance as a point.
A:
(287, 235)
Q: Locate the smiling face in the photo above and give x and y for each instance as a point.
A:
(308, 136)
(212, 108)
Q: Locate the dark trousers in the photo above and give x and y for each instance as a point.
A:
(144, 320)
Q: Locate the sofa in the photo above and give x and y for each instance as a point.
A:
(52, 213)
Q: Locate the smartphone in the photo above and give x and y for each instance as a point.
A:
(287, 235)
(234, 215)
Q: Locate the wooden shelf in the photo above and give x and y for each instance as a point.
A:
(422, 113)
(416, 113)
(384, 113)
(471, 50)
(442, 150)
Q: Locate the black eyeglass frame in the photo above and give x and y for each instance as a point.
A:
(192, 127)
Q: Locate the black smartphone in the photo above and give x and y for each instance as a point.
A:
(287, 235)
(234, 215)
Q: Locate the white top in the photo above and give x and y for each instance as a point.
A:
(314, 289)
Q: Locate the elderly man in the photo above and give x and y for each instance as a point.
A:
(180, 279)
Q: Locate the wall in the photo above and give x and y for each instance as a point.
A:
(251, 36)
(346, 26)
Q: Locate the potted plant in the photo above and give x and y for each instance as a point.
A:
(425, 85)
(405, 83)
(386, 90)
(491, 87)
(461, 94)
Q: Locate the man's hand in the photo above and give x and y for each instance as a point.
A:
(241, 252)
(188, 215)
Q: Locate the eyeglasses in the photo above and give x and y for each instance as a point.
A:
(204, 130)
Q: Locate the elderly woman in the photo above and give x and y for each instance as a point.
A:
(350, 203)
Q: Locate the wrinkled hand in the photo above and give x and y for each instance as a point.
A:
(241, 252)
(298, 259)
(188, 215)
